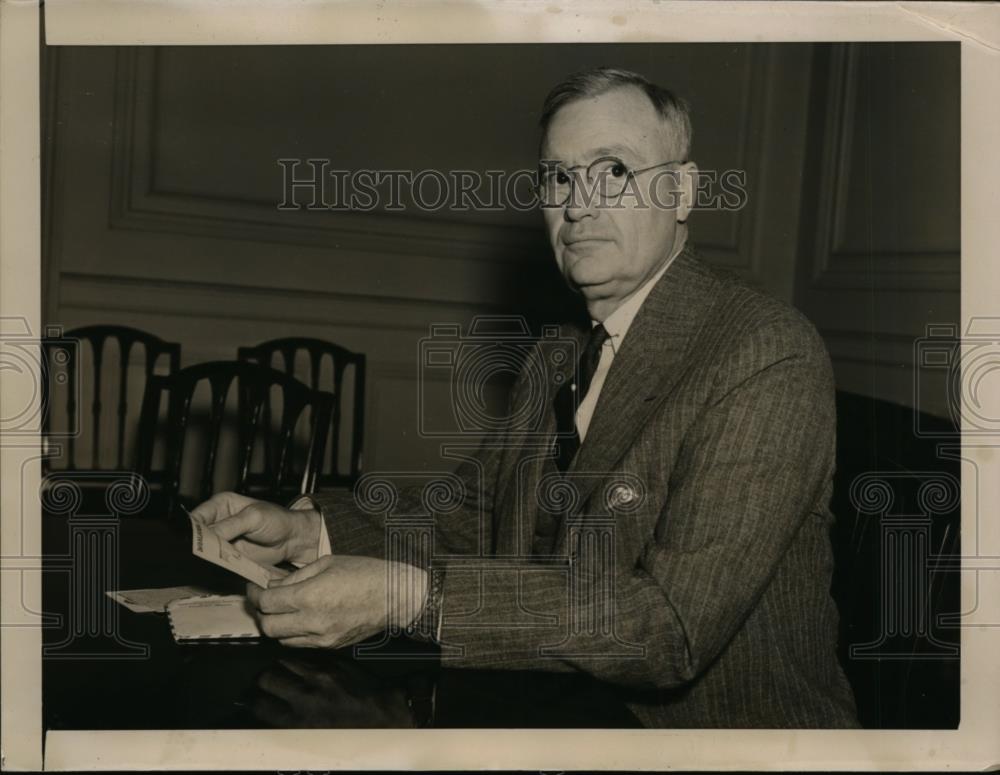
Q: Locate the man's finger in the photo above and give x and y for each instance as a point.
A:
(273, 600)
(301, 642)
(276, 573)
(256, 552)
(213, 509)
(237, 525)
(280, 626)
(253, 594)
(267, 603)
(304, 573)
(220, 506)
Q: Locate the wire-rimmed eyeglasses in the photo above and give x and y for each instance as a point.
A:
(608, 176)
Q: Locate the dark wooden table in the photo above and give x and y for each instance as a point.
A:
(105, 667)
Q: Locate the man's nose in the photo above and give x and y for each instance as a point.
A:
(581, 203)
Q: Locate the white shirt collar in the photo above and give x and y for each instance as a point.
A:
(618, 322)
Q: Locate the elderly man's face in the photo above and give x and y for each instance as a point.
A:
(607, 253)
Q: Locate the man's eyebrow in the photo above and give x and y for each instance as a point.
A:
(616, 149)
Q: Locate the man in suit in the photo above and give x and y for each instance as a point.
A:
(666, 529)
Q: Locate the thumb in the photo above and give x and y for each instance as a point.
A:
(237, 525)
(276, 573)
(220, 506)
(303, 574)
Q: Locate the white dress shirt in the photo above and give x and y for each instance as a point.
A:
(617, 325)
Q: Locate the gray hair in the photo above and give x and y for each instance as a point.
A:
(674, 110)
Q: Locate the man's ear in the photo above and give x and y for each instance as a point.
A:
(688, 189)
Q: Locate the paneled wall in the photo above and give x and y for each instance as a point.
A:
(880, 254)
(162, 186)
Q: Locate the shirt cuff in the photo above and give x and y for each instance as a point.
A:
(323, 548)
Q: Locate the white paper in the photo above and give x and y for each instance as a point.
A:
(144, 601)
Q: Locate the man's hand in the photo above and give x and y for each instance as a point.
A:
(264, 532)
(339, 600)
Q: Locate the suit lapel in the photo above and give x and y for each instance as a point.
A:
(651, 360)
(649, 363)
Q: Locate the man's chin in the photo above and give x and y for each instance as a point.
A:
(595, 291)
(585, 280)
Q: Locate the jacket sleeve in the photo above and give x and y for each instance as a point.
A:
(753, 466)
(356, 525)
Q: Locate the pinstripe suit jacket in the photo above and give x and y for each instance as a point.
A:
(693, 567)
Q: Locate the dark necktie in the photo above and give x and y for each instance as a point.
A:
(571, 395)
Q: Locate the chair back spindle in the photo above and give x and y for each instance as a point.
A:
(106, 452)
(253, 386)
(283, 354)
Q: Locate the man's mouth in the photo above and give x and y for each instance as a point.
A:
(583, 240)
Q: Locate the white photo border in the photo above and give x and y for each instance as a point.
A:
(974, 745)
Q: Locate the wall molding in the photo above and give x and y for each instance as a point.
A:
(208, 301)
(835, 265)
(736, 252)
(137, 204)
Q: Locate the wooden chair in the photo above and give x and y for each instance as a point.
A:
(254, 386)
(62, 357)
(315, 350)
